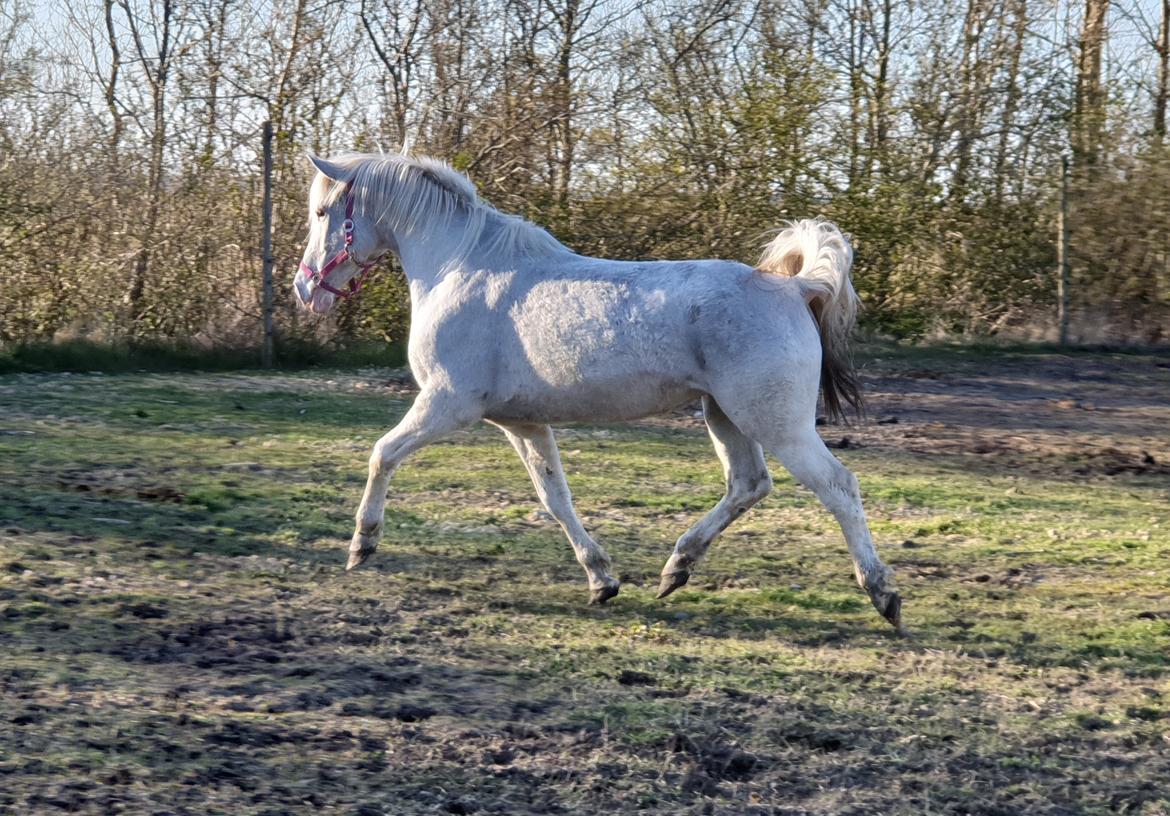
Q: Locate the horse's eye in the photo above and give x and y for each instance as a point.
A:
(320, 212)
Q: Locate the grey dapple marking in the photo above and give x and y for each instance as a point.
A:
(512, 327)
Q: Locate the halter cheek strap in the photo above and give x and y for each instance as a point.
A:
(355, 283)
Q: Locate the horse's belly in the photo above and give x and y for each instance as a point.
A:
(597, 402)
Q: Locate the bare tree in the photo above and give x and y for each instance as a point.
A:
(158, 37)
(395, 30)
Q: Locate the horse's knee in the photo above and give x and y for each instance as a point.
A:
(377, 456)
(385, 457)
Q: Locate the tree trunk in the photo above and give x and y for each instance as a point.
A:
(110, 91)
(971, 94)
(1163, 49)
(1089, 111)
(1062, 261)
(881, 87)
(562, 114)
(266, 249)
(158, 140)
(856, 94)
(1007, 119)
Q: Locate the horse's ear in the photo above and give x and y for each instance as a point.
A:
(327, 168)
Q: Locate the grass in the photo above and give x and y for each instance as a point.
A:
(91, 356)
(177, 634)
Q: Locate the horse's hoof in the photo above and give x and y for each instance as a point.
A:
(672, 581)
(889, 606)
(599, 596)
(357, 558)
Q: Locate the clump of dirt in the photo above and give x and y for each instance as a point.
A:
(133, 482)
(710, 761)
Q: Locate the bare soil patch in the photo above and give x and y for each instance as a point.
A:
(1076, 415)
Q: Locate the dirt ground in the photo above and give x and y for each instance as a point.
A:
(1053, 414)
(1058, 414)
(176, 636)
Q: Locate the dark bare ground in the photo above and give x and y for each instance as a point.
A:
(177, 636)
(1067, 416)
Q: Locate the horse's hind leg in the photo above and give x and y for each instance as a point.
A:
(430, 417)
(811, 464)
(748, 481)
(538, 450)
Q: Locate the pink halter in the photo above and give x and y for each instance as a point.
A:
(355, 283)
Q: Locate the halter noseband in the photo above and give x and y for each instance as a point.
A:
(355, 283)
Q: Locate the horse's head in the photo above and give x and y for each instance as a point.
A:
(343, 241)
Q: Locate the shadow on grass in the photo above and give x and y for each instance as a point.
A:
(153, 529)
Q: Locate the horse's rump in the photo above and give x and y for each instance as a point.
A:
(819, 256)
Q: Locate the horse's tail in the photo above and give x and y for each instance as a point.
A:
(819, 256)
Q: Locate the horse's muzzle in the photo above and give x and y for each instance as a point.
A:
(301, 285)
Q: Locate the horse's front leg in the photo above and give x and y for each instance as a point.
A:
(433, 415)
(538, 450)
(748, 481)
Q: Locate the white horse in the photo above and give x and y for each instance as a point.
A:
(510, 326)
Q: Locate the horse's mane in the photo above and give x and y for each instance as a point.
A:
(417, 194)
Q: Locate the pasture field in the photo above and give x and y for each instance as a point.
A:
(178, 636)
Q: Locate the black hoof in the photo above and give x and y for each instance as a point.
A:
(889, 606)
(600, 596)
(357, 558)
(672, 581)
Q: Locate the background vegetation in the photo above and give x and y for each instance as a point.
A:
(932, 131)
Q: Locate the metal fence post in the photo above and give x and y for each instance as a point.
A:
(267, 350)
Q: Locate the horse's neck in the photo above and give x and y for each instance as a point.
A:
(423, 266)
(426, 257)
(430, 255)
